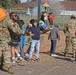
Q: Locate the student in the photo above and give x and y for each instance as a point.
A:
(35, 43)
(51, 18)
(22, 42)
(53, 36)
(27, 29)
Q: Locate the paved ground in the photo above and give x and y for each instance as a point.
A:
(48, 65)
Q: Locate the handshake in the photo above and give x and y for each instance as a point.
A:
(26, 32)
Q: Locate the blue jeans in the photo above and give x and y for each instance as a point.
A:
(28, 50)
(35, 44)
(53, 46)
(22, 43)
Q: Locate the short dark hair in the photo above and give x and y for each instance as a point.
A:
(11, 14)
(72, 17)
(22, 22)
(51, 13)
(32, 21)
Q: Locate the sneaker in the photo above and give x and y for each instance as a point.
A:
(75, 59)
(38, 60)
(27, 55)
(20, 58)
(23, 59)
(30, 60)
(13, 60)
(53, 55)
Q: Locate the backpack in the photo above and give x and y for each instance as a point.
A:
(42, 25)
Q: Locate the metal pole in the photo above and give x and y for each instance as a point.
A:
(39, 4)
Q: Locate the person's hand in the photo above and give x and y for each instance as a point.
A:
(75, 33)
(32, 35)
(58, 39)
(0, 29)
(30, 25)
(26, 32)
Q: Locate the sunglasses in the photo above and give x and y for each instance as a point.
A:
(14, 15)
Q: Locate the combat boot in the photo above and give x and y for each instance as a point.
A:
(10, 70)
(73, 55)
(65, 54)
(3, 67)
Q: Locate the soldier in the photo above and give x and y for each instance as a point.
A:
(14, 31)
(9, 26)
(4, 47)
(69, 30)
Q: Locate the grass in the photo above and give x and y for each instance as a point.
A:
(27, 18)
(58, 19)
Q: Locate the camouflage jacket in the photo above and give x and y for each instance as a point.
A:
(70, 28)
(13, 26)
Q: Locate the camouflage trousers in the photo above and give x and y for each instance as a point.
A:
(74, 46)
(4, 47)
(70, 42)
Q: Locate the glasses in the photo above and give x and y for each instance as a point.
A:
(14, 15)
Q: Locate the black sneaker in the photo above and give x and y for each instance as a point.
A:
(38, 60)
(30, 60)
(75, 60)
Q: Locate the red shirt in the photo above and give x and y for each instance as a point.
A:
(51, 17)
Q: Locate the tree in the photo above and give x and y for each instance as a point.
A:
(4, 3)
(15, 2)
(8, 3)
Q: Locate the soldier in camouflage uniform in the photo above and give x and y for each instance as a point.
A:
(6, 54)
(15, 33)
(69, 30)
(6, 38)
(4, 47)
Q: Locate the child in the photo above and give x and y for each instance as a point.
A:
(28, 28)
(53, 36)
(22, 42)
(35, 43)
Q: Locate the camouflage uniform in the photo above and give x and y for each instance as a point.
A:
(14, 27)
(5, 39)
(69, 30)
(4, 47)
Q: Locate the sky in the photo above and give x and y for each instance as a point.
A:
(26, 0)
(23, 0)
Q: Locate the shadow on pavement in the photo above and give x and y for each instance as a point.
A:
(60, 56)
(47, 53)
(66, 59)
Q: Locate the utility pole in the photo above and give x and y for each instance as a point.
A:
(39, 4)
